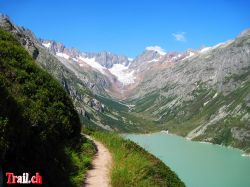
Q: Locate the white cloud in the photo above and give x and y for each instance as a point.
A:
(157, 49)
(181, 36)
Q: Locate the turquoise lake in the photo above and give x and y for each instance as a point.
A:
(198, 164)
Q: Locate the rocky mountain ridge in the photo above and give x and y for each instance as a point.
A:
(105, 59)
(119, 75)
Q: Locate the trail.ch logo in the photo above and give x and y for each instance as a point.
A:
(23, 179)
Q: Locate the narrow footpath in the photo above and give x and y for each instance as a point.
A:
(99, 175)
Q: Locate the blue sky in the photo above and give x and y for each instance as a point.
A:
(128, 26)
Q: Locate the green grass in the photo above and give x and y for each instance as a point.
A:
(135, 167)
(81, 159)
(118, 117)
(115, 105)
(146, 102)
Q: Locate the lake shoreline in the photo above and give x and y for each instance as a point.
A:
(244, 153)
(226, 165)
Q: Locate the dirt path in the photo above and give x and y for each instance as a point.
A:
(99, 176)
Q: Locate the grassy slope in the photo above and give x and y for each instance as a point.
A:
(183, 119)
(223, 128)
(123, 119)
(135, 167)
(39, 128)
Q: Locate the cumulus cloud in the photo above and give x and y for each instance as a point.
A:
(180, 37)
(157, 49)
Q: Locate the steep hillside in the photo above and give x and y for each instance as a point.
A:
(204, 97)
(38, 122)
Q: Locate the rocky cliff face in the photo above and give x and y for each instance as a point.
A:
(107, 59)
(96, 66)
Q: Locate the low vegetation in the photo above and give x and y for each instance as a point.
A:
(135, 167)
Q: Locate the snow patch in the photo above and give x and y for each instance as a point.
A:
(130, 59)
(91, 62)
(154, 60)
(189, 55)
(218, 45)
(205, 49)
(75, 59)
(47, 45)
(123, 74)
(221, 45)
(158, 49)
(63, 55)
(205, 103)
(215, 95)
(174, 58)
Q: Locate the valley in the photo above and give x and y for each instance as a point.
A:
(41, 133)
(199, 94)
(125, 93)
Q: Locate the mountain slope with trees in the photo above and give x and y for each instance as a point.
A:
(39, 128)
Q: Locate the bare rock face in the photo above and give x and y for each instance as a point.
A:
(211, 68)
(107, 59)
(240, 134)
(98, 106)
(56, 47)
(245, 33)
(24, 36)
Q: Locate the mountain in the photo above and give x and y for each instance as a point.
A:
(85, 84)
(105, 59)
(201, 94)
(111, 71)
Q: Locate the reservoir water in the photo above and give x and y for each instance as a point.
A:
(198, 164)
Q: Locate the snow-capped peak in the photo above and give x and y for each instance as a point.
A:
(123, 74)
(92, 62)
(205, 49)
(46, 44)
(63, 55)
(158, 49)
(223, 44)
